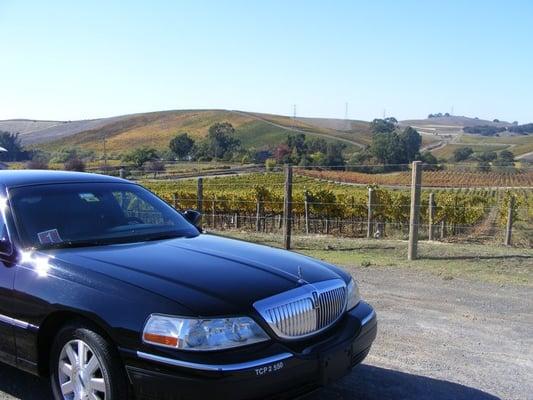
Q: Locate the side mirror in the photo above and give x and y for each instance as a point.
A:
(194, 217)
(5, 246)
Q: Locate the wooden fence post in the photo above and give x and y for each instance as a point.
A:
(122, 173)
(200, 195)
(414, 220)
(176, 201)
(213, 212)
(431, 216)
(258, 214)
(509, 227)
(306, 211)
(369, 224)
(287, 208)
(442, 229)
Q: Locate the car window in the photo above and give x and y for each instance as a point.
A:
(92, 214)
(5, 247)
(137, 209)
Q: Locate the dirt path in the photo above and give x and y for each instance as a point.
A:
(438, 339)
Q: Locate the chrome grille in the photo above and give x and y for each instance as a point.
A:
(306, 310)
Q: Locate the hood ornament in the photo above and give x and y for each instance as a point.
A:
(301, 279)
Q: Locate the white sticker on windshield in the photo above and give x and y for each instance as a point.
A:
(89, 197)
(49, 237)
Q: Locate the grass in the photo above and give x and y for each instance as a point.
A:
(493, 264)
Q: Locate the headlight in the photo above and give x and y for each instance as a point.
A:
(354, 297)
(202, 334)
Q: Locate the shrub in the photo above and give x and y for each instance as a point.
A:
(37, 164)
(74, 164)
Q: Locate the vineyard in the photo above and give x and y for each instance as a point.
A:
(255, 201)
(446, 178)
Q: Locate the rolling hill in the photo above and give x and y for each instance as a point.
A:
(440, 135)
(157, 128)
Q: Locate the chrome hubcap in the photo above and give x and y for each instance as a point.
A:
(80, 373)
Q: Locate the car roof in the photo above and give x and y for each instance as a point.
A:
(13, 178)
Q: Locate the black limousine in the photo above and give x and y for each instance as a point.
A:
(113, 294)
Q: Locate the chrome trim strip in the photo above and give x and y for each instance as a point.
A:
(17, 323)
(214, 367)
(368, 318)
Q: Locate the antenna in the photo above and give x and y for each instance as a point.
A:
(384, 113)
(294, 115)
(346, 111)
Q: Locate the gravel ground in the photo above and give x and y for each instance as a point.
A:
(438, 339)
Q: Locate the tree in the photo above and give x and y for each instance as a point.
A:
(221, 139)
(15, 151)
(181, 145)
(154, 166)
(316, 144)
(485, 130)
(334, 156)
(427, 158)
(521, 129)
(505, 159)
(282, 153)
(74, 164)
(387, 125)
(506, 156)
(487, 156)
(410, 141)
(483, 166)
(386, 147)
(141, 155)
(462, 153)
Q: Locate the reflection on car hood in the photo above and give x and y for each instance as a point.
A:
(210, 275)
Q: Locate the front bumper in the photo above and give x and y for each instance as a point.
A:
(277, 371)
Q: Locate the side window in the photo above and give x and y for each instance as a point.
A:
(5, 244)
(137, 210)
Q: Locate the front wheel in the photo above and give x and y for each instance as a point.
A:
(85, 366)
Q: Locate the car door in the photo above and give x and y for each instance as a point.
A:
(7, 275)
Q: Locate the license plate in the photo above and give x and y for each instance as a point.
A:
(336, 364)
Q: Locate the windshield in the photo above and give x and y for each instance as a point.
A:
(92, 214)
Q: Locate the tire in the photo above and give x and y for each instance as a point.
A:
(84, 362)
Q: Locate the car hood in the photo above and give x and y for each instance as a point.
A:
(208, 274)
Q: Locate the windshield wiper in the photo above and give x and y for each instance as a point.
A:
(107, 242)
(74, 244)
(163, 236)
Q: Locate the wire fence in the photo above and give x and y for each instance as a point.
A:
(493, 207)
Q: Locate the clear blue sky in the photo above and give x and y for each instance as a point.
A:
(86, 59)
